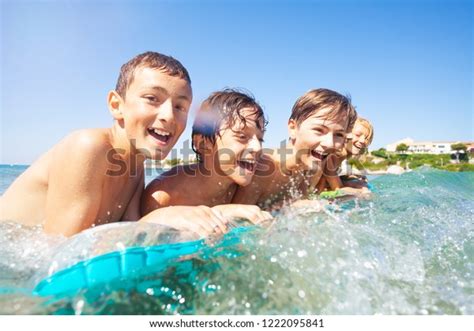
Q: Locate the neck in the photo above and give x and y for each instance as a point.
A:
(287, 158)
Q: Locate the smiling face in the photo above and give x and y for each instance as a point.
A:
(317, 137)
(154, 111)
(238, 148)
(358, 139)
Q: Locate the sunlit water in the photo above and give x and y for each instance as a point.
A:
(408, 250)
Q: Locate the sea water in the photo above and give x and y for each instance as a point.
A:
(407, 250)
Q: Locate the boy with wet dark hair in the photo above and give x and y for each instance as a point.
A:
(227, 138)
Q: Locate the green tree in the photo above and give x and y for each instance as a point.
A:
(381, 152)
(173, 162)
(401, 148)
(460, 152)
(459, 147)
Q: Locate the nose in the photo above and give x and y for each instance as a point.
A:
(255, 145)
(165, 111)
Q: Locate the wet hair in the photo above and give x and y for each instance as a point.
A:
(366, 124)
(335, 105)
(221, 110)
(154, 60)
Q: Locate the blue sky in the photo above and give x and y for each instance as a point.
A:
(406, 64)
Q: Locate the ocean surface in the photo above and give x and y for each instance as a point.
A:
(409, 249)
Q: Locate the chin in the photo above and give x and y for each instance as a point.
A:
(355, 151)
(242, 181)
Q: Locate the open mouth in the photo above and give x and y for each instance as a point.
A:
(247, 164)
(318, 155)
(162, 136)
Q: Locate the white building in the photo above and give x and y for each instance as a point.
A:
(393, 146)
(424, 147)
(431, 147)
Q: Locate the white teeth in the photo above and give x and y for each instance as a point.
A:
(161, 132)
(248, 161)
(319, 153)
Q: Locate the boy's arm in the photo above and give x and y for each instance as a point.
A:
(200, 220)
(251, 213)
(154, 197)
(75, 181)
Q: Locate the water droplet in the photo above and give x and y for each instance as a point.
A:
(368, 265)
(273, 259)
(301, 294)
(78, 308)
(302, 253)
(182, 300)
(253, 257)
(150, 291)
(52, 269)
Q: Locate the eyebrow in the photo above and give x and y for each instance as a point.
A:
(324, 126)
(165, 91)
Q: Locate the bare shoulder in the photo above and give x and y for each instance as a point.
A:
(177, 171)
(83, 151)
(155, 196)
(160, 191)
(156, 185)
(87, 142)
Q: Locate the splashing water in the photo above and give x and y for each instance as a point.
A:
(407, 250)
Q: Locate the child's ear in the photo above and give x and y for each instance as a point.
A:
(114, 102)
(292, 126)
